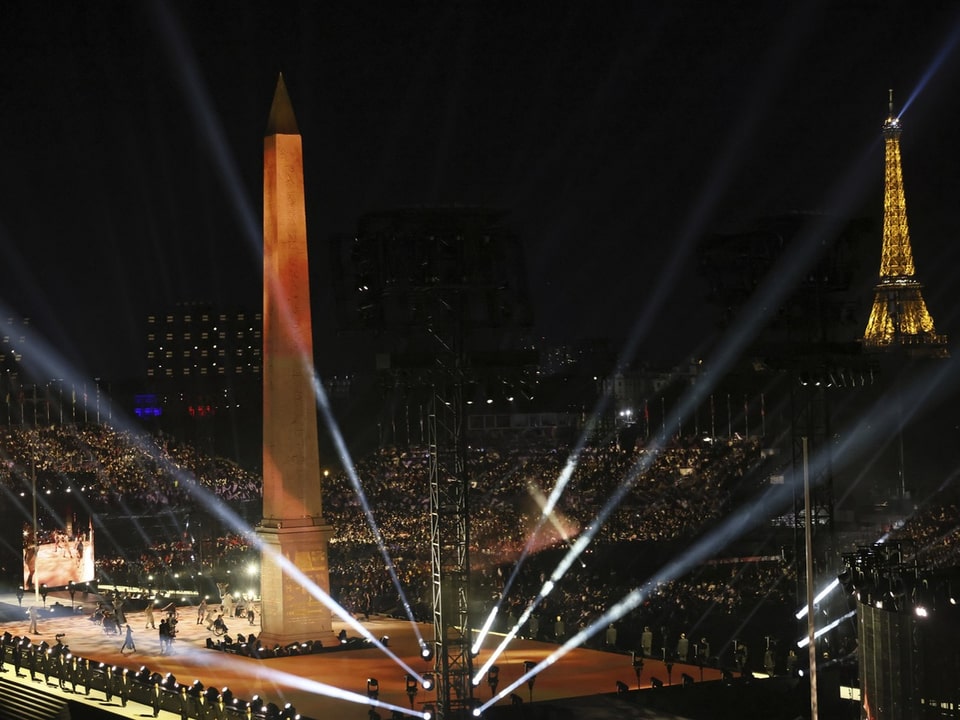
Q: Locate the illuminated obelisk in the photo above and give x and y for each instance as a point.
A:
(293, 526)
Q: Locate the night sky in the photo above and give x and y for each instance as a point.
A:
(616, 134)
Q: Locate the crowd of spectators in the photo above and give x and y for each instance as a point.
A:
(666, 498)
(932, 531)
(109, 465)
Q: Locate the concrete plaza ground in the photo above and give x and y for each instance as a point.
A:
(303, 680)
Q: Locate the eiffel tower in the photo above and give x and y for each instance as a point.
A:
(899, 318)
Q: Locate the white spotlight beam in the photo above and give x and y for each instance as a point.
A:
(734, 526)
(207, 122)
(234, 521)
(578, 548)
(51, 363)
(826, 628)
(768, 297)
(279, 678)
(802, 612)
(337, 437)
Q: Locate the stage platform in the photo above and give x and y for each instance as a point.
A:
(301, 680)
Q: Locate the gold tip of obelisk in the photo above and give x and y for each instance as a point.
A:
(282, 120)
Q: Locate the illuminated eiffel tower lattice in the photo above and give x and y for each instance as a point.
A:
(899, 318)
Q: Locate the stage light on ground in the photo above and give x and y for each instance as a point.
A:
(656, 682)
(412, 688)
(493, 679)
(622, 688)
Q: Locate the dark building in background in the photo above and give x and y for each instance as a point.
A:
(792, 283)
(399, 261)
(203, 381)
(194, 341)
(416, 285)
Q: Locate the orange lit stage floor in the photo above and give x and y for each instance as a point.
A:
(281, 680)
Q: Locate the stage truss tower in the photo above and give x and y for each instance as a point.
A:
(444, 289)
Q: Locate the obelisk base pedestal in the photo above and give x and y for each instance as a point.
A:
(289, 612)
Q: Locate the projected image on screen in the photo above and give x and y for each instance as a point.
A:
(57, 557)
